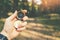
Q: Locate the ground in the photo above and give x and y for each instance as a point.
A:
(40, 29)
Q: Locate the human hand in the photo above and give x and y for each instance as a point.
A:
(9, 30)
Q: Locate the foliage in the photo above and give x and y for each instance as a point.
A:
(34, 10)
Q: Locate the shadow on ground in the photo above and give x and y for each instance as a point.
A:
(39, 29)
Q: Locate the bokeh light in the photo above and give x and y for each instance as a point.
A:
(38, 2)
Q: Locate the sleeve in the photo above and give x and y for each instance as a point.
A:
(2, 37)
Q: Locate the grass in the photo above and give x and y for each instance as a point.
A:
(52, 25)
(1, 25)
(55, 23)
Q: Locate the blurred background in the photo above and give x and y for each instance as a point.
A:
(44, 18)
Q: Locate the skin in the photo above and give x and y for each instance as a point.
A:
(9, 30)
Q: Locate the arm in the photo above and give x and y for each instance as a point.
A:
(9, 31)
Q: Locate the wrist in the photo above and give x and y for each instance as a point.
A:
(5, 34)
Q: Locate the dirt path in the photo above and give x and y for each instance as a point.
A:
(35, 31)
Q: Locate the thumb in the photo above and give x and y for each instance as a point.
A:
(13, 15)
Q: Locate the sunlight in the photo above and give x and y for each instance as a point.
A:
(37, 35)
(20, 0)
(38, 2)
(29, 0)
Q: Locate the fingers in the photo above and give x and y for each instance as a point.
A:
(19, 25)
(25, 18)
(13, 16)
(21, 29)
(14, 20)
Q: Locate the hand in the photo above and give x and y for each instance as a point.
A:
(9, 30)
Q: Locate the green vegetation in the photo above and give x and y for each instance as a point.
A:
(1, 25)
